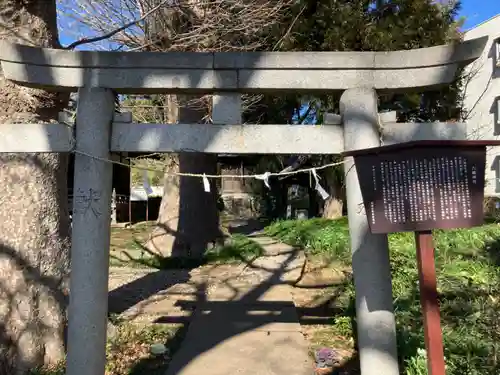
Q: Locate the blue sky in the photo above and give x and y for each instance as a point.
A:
(477, 11)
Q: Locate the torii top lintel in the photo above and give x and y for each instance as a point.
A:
(198, 72)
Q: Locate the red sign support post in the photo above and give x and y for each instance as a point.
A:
(420, 186)
(429, 301)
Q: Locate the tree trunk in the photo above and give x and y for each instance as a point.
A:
(333, 206)
(34, 220)
(188, 220)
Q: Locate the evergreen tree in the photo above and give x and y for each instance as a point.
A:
(361, 25)
(385, 25)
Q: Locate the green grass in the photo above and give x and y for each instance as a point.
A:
(128, 352)
(468, 267)
(239, 248)
(128, 250)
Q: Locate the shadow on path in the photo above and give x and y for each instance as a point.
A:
(241, 327)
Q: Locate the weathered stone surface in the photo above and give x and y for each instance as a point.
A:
(404, 132)
(90, 234)
(246, 72)
(35, 138)
(375, 320)
(238, 139)
(245, 353)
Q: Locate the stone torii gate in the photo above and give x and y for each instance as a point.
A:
(98, 75)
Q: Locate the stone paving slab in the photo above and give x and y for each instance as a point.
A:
(248, 325)
(236, 318)
(248, 353)
(242, 293)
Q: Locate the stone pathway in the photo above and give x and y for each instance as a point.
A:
(142, 295)
(247, 323)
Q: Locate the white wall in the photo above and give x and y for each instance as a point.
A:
(482, 97)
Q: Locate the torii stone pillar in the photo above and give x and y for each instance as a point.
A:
(370, 252)
(88, 305)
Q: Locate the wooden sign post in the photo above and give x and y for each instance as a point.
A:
(420, 186)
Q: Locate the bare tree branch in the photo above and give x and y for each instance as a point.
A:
(115, 31)
(184, 25)
(194, 25)
(280, 41)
